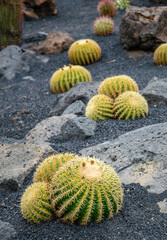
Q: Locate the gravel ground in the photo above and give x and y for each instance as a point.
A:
(140, 218)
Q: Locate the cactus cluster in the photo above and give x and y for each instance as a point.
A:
(84, 51)
(114, 86)
(10, 22)
(106, 8)
(36, 203)
(86, 190)
(99, 107)
(65, 78)
(130, 105)
(103, 26)
(80, 189)
(118, 98)
(160, 55)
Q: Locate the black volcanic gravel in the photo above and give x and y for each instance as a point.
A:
(140, 217)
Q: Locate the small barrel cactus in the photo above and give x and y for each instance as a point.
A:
(65, 78)
(103, 26)
(36, 204)
(106, 8)
(84, 51)
(160, 55)
(86, 190)
(130, 105)
(114, 86)
(99, 107)
(50, 166)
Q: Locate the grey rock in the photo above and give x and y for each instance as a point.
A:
(163, 206)
(81, 91)
(139, 156)
(143, 28)
(17, 160)
(14, 59)
(78, 128)
(77, 108)
(48, 128)
(156, 91)
(7, 231)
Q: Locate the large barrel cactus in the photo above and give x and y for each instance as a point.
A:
(86, 190)
(10, 22)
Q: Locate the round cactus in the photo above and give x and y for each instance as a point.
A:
(84, 51)
(114, 86)
(100, 107)
(160, 55)
(36, 204)
(106, 8)
(50, 166)
(86, 190)
(65, 78)
(130, 105)
(103, 26)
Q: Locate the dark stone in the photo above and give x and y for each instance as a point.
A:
(143, 28)
(7, 231)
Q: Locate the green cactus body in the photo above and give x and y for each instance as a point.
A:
(50, 166)
(103, 26)
(99, 107)
(106, 8)
(86, 190)
(160, 55)
(130, 105)
(10, 22)
(84, 51)
(65, 78)
(36, 204)
(122, 4)
(116, 85)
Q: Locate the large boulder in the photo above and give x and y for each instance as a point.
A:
(156, 91)
(139, 156)
(55, 42)
(81, 91)
(143, 28)
(33, 9)
(17, 160)
(48, 128)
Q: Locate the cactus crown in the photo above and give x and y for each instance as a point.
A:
(84, 51)
(65, 78)
(121, 4)
(99, 107)
(103, 26)
(160, 55)
(50, 166)
(130, 105)
(114, 86)
(36, 204)
(86, 190)
(106, 8)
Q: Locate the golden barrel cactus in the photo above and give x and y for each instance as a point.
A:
(130, 105)
(86, 190)
(84, 51)
(114, 86)
(65, 78)
(160, 55)
(99, 107)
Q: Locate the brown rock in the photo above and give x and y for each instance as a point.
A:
(33, 9)
(143, 28)
(55, 42)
